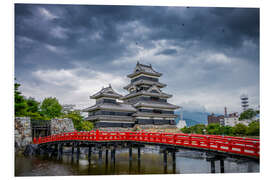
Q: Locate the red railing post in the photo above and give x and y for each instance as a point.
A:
(127, 135)
(35, 140)
(207, 142)
(189, 140)
(97, 134)
(256, 146)
(229, 145)
(173, 140)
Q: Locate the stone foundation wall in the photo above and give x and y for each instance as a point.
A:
(157, 128)
(23, 132)
(61, 125)
(146, 128)
(109, 129)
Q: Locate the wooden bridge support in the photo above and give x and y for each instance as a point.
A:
(72, 150)
(89, 153)
(212, 159)
(221, 165)
(130, 153)
(55, 149)
(165, 161)
(139, 153)
(106, 160)
(113, 149)
(100, 155)
(213, 168)
(78, 153)
(59, 151)
(106, 155)
(173, 161)
(113, 154)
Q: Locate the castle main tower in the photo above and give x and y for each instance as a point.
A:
(146, 96)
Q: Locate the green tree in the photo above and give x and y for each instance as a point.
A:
(198, 128)
(253, 129)
(240, 129)
(248, 114)
(227, 130)
(78, 122)
(87, 125)
(76, 119)
(213, 129)
(20, 102)
(51, 108)
(186, 130)
(32, 105)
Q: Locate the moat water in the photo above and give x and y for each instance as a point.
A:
(151, 162)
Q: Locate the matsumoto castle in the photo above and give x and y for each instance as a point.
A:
(145, 104)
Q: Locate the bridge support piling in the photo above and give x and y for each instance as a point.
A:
(113, 157)
(106, 160)
(100, 155)
(213, 168)
(106, 155)
(221, 165)
(72, 150)
(89, 153)
(165, 161)
(113, 154)
(55, 151)
(139, 153)
(59, 151)
(78, 152)
(174, 163)
(130, 153)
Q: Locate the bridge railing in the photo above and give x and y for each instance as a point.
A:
(238, 145)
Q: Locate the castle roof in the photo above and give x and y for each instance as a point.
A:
(110, 118)
(147, 82)
(147, 93)
(144, 114)
(144, 69)
(106, 92)
(155, 104)
(111, 106)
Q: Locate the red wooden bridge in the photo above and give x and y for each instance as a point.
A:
(226, 144)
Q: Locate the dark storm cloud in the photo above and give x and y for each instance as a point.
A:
(111, 38)
(167, 52)
(215, 27)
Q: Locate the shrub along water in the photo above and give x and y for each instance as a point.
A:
(253, 129)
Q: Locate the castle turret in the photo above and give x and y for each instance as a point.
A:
(107, 112)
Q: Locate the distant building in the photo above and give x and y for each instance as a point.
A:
(231, 120)
(244, 102)
(144, 104)
(213, 119)
(181, 124)
(66, 108)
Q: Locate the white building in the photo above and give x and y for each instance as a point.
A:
(181, 124)
(233, 119)
(230, 121)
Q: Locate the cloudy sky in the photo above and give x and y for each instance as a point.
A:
(208, 56)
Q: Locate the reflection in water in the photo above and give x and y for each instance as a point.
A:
(143, 160)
